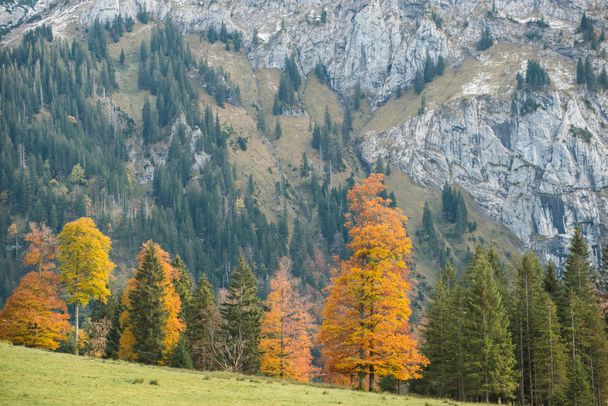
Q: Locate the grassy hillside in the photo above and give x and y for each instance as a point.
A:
(34, 377)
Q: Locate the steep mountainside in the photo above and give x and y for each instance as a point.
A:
(532, 160)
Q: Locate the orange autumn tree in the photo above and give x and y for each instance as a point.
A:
(365, 329)
(43, 247)
(285, 332)
(154, 277)
(34, 315)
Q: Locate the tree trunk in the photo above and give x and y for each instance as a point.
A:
(361, 381)
(371, 378)
(76, 335)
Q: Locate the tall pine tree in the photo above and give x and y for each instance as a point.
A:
(240, 331)
(536, 334)
(583, 325)
(152, 327)
(489, 361)
(183, 285)
(203, 323)
(147, 315)
(441, 344)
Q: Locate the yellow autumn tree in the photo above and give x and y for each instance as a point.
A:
(365, 330)
(34, 315)
(157, 309)
(285, 332)
(85, 265)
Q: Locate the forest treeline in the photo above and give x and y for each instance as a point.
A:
(519, 331)
(522, 331)
(162, 316)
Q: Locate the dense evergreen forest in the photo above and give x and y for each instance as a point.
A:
(64, 150)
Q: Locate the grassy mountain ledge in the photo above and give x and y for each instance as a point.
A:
(34, 377)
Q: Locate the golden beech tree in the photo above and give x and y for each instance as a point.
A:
(83, 255)
(285, 331)
(365, 329)
(167, 302)
(34, 315)
(43, 247)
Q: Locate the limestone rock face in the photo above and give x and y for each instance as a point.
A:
(533, 172)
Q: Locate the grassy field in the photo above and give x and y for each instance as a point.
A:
(34, 377)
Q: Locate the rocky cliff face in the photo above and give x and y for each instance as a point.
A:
(535, 172)
(532, 173)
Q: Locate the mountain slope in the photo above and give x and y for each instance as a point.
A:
(525, 172)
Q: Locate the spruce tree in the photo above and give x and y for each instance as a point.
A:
(347, 124)
(580, 72)
(601, 282)
(428, 224)
(489, 354)
(276, 106)
(578, 392)
(316, 137)
(203, 323)
(327, 120)
(278, 131)
(584, 327)
(183, 285)
(429, 68)
(440, 67)
(500, 274)
(304, 167)
(212, 34)
(578, 268)
(536, 333)
(551, 284)
(180, 357)
(148, 315)
(551, 362)
(486, 41)
(590, 79)
(149, 123)
(586, 28)
(357, 97)
(602, 79)
(113, 337)
(441, 337)
(241, 313)
(261, 122)
(461, 216)
(536, 76)
(419, 82)
(297, 248)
